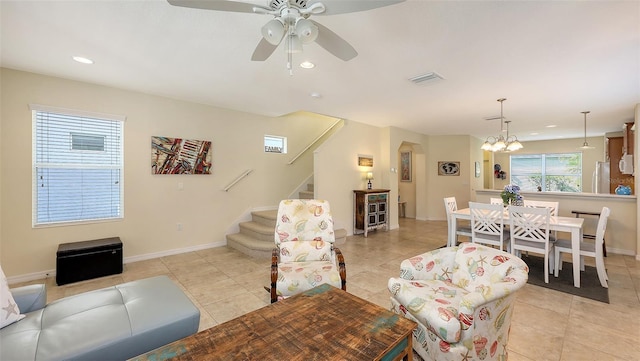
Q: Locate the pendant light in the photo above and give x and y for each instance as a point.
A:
(509, 143)
(585, 145)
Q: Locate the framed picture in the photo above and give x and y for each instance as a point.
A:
(405, 166)
(477, 169)
(448, 168)
(180, 156)
(365, 160)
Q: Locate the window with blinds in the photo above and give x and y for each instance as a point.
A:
(550, 172)
(77, 167)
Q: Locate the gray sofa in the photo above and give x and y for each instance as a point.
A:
(114, 323)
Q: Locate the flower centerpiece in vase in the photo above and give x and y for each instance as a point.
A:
(511, 195)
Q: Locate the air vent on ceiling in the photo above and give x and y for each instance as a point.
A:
(426, 78)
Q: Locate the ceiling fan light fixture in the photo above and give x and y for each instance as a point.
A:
(294, 45)
(273, 31)
(307, 31)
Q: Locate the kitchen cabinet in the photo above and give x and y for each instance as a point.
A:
(627, 138)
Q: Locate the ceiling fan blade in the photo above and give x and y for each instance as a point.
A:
(263, 50)
(334, 7)
(220, 5)
(334, 44)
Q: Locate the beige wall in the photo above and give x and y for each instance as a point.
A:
(460, 148)
(153, 203)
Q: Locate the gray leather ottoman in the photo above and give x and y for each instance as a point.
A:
(113, 323)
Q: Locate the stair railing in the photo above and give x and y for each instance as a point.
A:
(314, 142)
(238, 179)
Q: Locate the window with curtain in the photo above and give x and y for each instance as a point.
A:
(561, 172)
(77, 166)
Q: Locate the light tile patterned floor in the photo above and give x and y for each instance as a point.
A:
(547, 325)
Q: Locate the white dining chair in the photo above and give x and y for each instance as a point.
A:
(529, 228)
(451, 206)
(487, 225)
(587, 248)
(554, 208)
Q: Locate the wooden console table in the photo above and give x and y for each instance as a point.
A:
(324, 323)
(370, 210)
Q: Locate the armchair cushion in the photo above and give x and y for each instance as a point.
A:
(294, 277)
(301, 251)
(304, 231)
(433, 303)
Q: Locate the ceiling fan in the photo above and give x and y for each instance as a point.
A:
(291, 22)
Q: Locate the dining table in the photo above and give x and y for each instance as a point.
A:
(571, 225)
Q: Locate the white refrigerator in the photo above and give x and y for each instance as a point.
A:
(600, 181)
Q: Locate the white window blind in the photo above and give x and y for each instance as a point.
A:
(551, 172)
(77, 167)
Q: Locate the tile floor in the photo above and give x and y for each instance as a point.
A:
(547, 325)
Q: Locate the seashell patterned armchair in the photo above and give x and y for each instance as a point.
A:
(305, 256)
(462, 299)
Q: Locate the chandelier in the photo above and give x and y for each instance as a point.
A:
(500, 143)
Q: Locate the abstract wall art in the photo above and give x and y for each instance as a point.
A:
(180, 156)
(405, 166)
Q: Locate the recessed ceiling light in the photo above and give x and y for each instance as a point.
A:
(307, 65)
(551, 126)
(316, 95)
(534, 133)
(82, 60)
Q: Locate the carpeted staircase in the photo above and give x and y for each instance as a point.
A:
(256, 236)
(308, 194)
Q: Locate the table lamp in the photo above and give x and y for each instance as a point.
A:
(369, 178)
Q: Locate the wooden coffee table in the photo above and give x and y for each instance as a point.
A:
(324, 323)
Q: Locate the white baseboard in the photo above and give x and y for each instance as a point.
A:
(624, 252)
(171, 252)
(31, 276)
(143, 257)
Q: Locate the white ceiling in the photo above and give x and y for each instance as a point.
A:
(550, 59)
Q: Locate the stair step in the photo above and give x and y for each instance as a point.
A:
(310, 187)
(257, 230)
(267, 218)
(341, 236)
(305, 194)
(250, 246)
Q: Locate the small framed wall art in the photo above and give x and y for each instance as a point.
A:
(448, 168)
(405, 166)
(477, 169)
(365, 160)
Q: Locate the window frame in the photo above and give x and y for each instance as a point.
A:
(37, 108)
(275, 137)
(543, 171)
